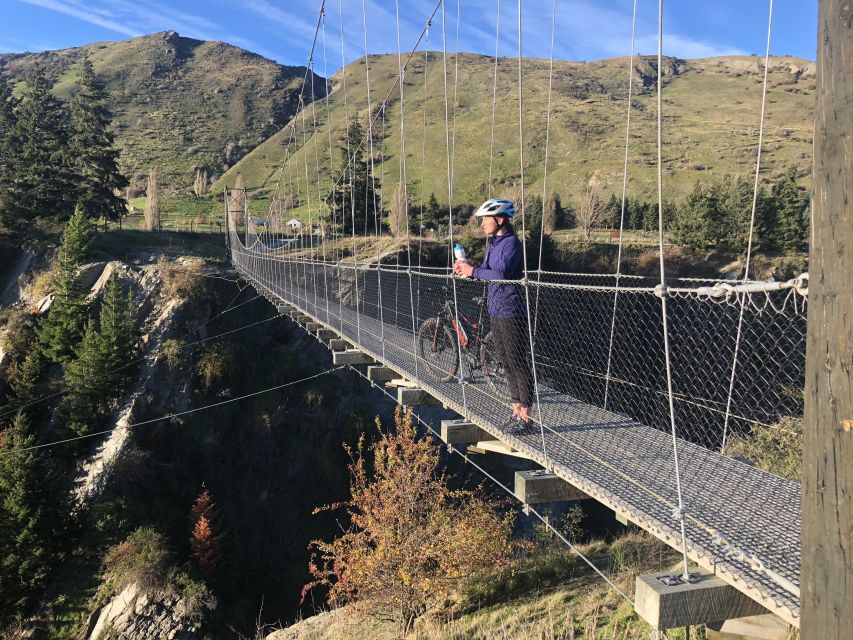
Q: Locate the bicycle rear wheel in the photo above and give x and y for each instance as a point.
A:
(438, 349)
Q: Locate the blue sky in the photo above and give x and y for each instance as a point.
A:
(282, 29)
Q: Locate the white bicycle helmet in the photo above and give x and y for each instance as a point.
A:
(496, 207)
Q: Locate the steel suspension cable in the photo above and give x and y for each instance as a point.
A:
(404, 187)
(376, 221)
(525, 280)
(545, 177)
(624, 201)
(461, 368)
(321, 222)
(662, 293)
(494, 96)
(751, 230)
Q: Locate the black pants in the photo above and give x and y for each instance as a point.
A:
(513, 346)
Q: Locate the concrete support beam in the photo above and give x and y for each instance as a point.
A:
(350, 357)
(707, 599)
(409, 397)
(539, 486)
(336, 344)
(462, 432)
(497, 446)
(765, 627)
(326, 334)
(311, 327)
(381, 374)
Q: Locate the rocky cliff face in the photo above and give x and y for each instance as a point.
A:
(136, 614)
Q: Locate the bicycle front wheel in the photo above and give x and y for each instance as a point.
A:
(438, 349)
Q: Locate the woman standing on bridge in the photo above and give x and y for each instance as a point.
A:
(506, 305)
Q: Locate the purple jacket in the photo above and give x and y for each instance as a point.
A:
(504, 261)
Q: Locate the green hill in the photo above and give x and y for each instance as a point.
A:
(711, 123)
(178, 103)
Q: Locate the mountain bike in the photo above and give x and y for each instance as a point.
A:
(440, 338)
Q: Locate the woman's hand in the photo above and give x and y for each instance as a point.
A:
(463, 268)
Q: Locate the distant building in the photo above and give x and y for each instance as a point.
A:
(294, 225)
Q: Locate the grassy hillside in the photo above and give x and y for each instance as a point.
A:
(711, 116)
(178, 103)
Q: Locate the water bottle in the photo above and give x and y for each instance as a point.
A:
(459, 254)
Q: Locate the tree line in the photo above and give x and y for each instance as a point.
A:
(715, 215)
(84, 349)
(56, 156)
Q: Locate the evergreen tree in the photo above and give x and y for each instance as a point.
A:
(432, 213)
(60, 331)
(87, 382)
(791, 205)
(91, 143)
(77, 238)
(118, 332)
(44, 180)
(206, 540)
(353, 197)
(33, 518)
(8, 146)
(696, 223)
(24, 377)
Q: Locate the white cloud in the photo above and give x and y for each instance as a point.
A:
(86, 14)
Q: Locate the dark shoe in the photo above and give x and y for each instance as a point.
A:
(510, 425)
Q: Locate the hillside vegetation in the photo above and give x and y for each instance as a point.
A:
(178, 103)
(711, 118)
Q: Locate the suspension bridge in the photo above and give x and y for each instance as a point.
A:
(653, 396)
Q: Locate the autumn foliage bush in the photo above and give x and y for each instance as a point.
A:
(413, 544)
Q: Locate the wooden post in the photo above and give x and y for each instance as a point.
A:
(827, 568)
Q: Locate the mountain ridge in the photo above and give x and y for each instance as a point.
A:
(178, 103)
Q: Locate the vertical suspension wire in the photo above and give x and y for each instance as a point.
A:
(309, 262)
(751, 232)
(545, 176)
(525, 281)
(679, 512)
(622, 211)
(404, 183)
(321, 222)
(349, 168)
(495, 95)
(461, 368)
(333, 228)
(378, 229)
(417, 305)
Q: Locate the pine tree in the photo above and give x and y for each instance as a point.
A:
(9, 148)
(206, 540)
(60, 331)
(77, 238)
(44, 178)
(118, 331)
(33, 518)
(91, 143)
(353, 197)
(87, 384)
(792, 214)
(697, 222)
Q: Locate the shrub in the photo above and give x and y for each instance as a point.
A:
(18, 333)
(776, 448)
(143, 558)
(182, 280)
(214, 365)
(413, 544)
(172, 352)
